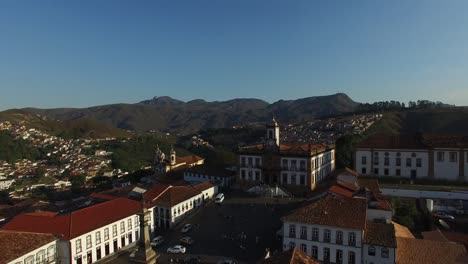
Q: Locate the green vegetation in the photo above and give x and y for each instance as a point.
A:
(345, 146)
(12, 150)
(406, 212)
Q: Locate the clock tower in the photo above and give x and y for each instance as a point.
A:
(273, 136)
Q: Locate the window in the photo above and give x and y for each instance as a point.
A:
(453, 156)
(315, 252)
(376, 171)
(293, 178)
(339, 237)
(88, 241)
(249, 160)
(106, 234)
(285, 164)
(122, 227)
(292, 231)
(351, 257)
(398, 172)
(257, 162)
(408, 162)
(137, 221)
(364, 171)
(29, 260)
(129, 222)
(418, 162)
(315, 234)
(302, 165)
(114, 230)
(440, 156)
(386, 161)
(78, 246)
(285, 178)
(304, 248)
(326, 255)
(376, 160)
(339, 256)
(293, 164)
(327, 235)
(98, 237)
(384, 252)
(398, 161)
(386, 172)
(40, 257)
(243, 174)
(363, 160)
(371, 251)
(257, 175)
(292, 245)
(51, 253)
(243, 161)
(303, 232)
(302, 179)
(352, 239)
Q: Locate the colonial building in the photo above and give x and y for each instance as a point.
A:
(27, 248)
(338, 230)
(88, 234)
(170, 204)
(414, 157)
(218, 176)
(285, 164)
(163, 164)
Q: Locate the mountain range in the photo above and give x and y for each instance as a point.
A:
(167, 114)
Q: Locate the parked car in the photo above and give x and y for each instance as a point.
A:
(157, 241)
(176, 249)
(186, 241)
(443, 215)
(219, 198)
(186, 228)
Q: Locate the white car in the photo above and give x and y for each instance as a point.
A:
(186, 228)
(157, 241)
(176, 249)
(219, 198)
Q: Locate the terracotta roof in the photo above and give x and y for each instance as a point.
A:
(402, 141)
(155, 191)
(402, 231)
(102, 196)
(293, 256)
(176, 195)
(332, 211)
(457, 237)
(380, 234)
(189, 159)
(371, 184)
(203, 186)
(340, 191)
(445, 141)
(415, 251)
(350, 187)
(74, 224)
(435, 235)
(296, 149)
(15, 244)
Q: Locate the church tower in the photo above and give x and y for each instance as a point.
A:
(159, 156)
(273, 133)
(172, 156)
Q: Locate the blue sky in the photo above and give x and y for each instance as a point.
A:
(84, 53)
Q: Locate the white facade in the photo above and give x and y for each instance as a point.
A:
(44, 254)
(223, 181)
(446, 164)
(348, 247)
(5, 184)
(103, 241)
(251, 167)
(378, 255)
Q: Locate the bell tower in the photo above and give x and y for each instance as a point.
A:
(159, 156)
(172, 156)
(273, 133)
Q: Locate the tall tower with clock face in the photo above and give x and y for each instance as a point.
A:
(273, 134)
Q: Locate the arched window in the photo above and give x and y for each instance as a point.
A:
(371, 251)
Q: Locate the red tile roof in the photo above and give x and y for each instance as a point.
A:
(402, 231)
(380, 234)
(175, 195)
(340, 191)
(294, 256)
(15, 244)
(332, 211)
(435, 235)
(349, 186)
(192, 159)
(422, 251)
(102, 196)
(393, 142)
(76, 223)
(203, 186)
(296, 149)
(153, 193)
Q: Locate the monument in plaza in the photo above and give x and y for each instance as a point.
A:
(144, 253)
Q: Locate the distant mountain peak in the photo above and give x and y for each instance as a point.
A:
(162, 101)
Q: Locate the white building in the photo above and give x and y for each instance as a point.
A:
(27, 248)
(286, 164)
(334, 230)
(414, 157)
(217, 176)
(5, 184)
(88, 234)
(170, 204)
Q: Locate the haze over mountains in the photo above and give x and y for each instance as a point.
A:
(167, 114)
